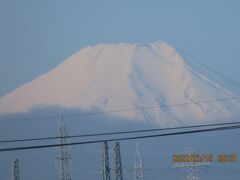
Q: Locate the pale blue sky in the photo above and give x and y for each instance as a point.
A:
(35, 36)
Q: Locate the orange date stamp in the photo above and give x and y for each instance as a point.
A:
(227, 158)
(204, 158)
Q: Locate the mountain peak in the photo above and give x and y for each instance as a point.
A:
(119, 76)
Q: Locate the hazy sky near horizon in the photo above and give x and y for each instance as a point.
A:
(35, 36)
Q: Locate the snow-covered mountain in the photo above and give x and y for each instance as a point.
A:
(126, 76)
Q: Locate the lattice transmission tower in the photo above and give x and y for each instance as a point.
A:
(193, 169)
(15, 170)
(138, 165)
(105, 162)
(118, 162)
(63, 159)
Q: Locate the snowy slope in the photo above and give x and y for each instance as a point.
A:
(121, 76)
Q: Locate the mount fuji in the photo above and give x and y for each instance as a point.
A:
(128, 79)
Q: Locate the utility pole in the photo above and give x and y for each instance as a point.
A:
(15, 170)
(118, 163)
(138, 165)
(105, 162)
(63, 158)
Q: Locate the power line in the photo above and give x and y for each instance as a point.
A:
(121, 110)
(120, 139)
(119, 132)
(217, 73)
